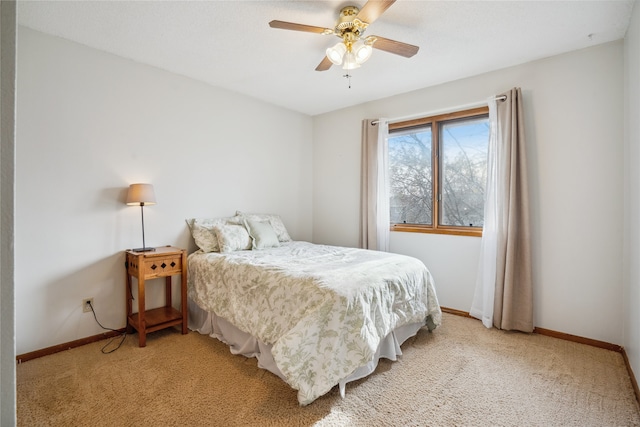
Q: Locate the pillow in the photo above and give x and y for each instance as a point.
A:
(262, 234)
(274, 220)
(232, 237)
(203, 233)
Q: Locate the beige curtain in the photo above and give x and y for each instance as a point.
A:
(374, 192)
(513, 300)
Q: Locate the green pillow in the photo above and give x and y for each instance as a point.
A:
(262, 234)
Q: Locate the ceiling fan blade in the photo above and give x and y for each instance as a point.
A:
(373, 9)
(299, 27)
(398, 48)
(324, 65)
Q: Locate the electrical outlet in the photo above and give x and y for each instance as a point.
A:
(86, 305)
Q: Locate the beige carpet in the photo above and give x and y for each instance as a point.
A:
(460, 375)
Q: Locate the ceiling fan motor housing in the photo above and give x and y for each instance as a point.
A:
(348, 23)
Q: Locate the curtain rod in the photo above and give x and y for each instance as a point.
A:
(431, 113)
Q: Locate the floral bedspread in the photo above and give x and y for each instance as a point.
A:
(324, 309)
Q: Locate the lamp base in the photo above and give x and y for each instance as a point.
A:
(143, 249)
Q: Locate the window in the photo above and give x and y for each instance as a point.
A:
(438, 172)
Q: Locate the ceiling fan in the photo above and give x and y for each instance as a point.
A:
(354, 48)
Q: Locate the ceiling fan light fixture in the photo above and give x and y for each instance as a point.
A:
(362, 51)
(336, 53)
(350, 62)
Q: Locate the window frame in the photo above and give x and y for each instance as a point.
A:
(435, 122)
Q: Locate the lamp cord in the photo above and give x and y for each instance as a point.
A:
(124, 333)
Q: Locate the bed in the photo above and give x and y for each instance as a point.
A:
(315, 315)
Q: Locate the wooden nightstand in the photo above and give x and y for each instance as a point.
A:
(166, 262)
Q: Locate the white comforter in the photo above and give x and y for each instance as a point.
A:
(323, 308)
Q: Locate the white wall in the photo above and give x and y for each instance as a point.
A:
(7, 181)
(574, 127)
(89, 124)
(632, 193)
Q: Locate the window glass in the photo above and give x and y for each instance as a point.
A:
(411, 174)
(463, 171)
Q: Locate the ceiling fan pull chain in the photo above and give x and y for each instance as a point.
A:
(348, 77)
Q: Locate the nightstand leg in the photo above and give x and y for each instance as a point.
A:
(167, 291)
(183, 293)
(142, 326)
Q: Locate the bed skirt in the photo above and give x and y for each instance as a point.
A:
(243, 343)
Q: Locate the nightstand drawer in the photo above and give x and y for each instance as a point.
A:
(150, 266)
(162, 266)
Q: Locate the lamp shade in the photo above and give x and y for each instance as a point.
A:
(141, 194)
(350, 62)
(336, 53)
(362, 51)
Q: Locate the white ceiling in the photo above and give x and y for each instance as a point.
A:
(229, 44)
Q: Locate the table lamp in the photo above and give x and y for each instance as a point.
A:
(141, 194)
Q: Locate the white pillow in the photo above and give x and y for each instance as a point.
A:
(232, 237)
(274, 220)
(262, 234)
(203, 233)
